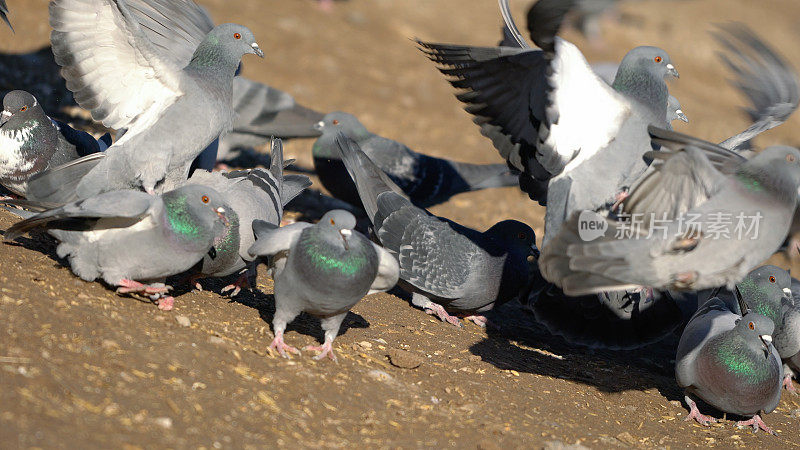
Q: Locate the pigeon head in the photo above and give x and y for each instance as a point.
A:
(515, 235)
(774, 171)
(674, 110)
(340, 221)
(224, 46)
(21, 105)
(764, 288)
(197, 214)
(757, 331)
(652, 60)
(341, 122)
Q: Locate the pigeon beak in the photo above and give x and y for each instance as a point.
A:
(345, 234)
(257, 50)
(221, 214)
(787, 292)
(4, 117)
(319, 125)
(682, 116)
(673, 71)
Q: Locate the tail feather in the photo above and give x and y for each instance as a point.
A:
(59, 184)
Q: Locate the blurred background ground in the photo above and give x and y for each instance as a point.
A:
(82, 367)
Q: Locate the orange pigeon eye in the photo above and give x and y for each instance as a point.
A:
(771, 279)
(658, 59)
(333, 222)
(751, 325)
(24, 108)
(205, 199)
(237, 36)
(790, 158)
(335, 122)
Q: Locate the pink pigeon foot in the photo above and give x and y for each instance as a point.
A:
(283, 347)
(619, 198)
(438, 310)
(695, 414)
(787, 383)
(130, 287)
(757, 424)
(166, 303)
(242, 282)
(324, 350)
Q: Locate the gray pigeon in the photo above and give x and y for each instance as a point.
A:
(129, 238)
(444, 265)
(160, 143)
(577, 141)
(730, 363)
(704, 217)
(424, 179)
(323, 270)
(254, 194)
(31, 142)
(4, 13)
(763, 76)
(790, 339)
(674, 111)
(176, 28)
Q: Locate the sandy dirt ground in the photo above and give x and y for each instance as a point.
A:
(82, 367)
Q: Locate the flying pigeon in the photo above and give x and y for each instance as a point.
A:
(129, 238)
(424, 179)
(323, 270)
(446, 267)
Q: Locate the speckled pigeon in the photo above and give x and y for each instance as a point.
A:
(444, 265)
(128, 238)
(31, 142)
(730, 363)
(426, 180)
(323, 270)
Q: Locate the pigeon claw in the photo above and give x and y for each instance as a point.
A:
(282, 347)
(788, 385)
(166, 303)
(439, 311)
(695, 414)
(757, 424)
(324, 350)
(129, 287)
(241, 283)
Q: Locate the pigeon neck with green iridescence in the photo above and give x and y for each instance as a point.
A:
(756, 178)
(213, 59)
(645, 87)
(762, 299)
(328, 254)
(225, 250)
(742, 356)
(184, 226)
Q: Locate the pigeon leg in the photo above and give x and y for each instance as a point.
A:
(619, 198)
(480, 321)
(282, 317)
(130, 287)
(166, 303)
(694, 413)
(436, 309)
(194, 281)
(331, 326)
(787, 380)
(757, 424)
(242, 282)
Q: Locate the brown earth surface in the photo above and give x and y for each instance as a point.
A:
(82, 367)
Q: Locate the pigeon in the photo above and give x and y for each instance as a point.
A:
(577, 141)
(4, 14)
(424, 179)
(159, 143)
(254, 194)
(176, 28)
(129, 238)
(729, 362)
(31, 142)
(767, 290)
(323, 270)
(763, 76)
(704, 217)
(444, 265)
(674, 111)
